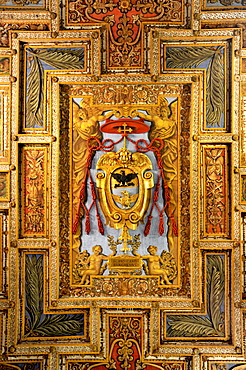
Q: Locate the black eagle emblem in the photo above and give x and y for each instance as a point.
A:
(123, 179)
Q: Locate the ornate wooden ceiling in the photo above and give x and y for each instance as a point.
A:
(122, 184)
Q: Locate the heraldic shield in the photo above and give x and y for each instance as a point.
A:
(124, 187)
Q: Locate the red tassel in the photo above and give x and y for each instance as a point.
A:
(161, 225)
(174, 226)
(167, 194)
(87, 223)
(159, 161)
(147, 226)
(76, 221)
(82, 191)
(93, 190)
(156, 192)
(89, 160)
(81, 197)
(100, 224)
(83, 187)
(167, 204)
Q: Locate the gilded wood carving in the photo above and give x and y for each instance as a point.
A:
(122, 185)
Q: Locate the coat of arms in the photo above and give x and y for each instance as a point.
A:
(124, 193)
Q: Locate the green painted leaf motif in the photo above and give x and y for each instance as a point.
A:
(188, 57)
(56, 58)
(60, 325)
(5, 366)
(50, 325)
(34, 288)
(215, 288)
(195, 326)
(34, 105)
(61, 58)
(189, 326)
(215, 89)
